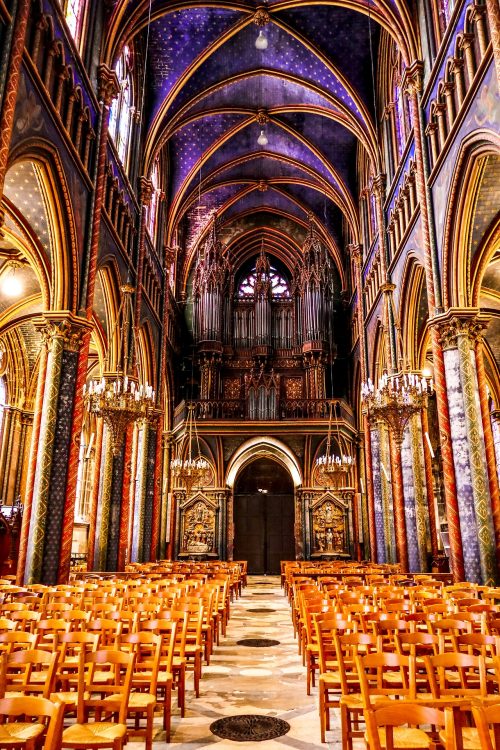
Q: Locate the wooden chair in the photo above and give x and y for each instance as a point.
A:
(399, 725)
(17, 733)
(96, 699)
(30, 672)
(486, 735)
(330, 683)
(351, 700)
(142, 699)
(193, 649)
(456, 675)
(388, 675)
(70, 646)
(172, 662)
(16, 640)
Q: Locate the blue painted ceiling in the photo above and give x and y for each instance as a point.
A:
(206, 82)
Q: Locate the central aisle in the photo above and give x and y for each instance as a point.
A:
(254, 680)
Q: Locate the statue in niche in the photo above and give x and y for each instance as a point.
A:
(199, 529)
(328, 528)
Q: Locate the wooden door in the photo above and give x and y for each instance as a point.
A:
(264, 517)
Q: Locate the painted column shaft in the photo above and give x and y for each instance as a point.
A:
(44, 462)
(458, 434)
(381, 553)
(422, 505)
(410, 513)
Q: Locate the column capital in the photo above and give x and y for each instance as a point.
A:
(356, 252)
(468, 322)
(378, 185)
(146, 188)
(108, 84)
(63, 325)
(413, 78)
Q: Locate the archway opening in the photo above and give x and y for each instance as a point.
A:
(264, 516)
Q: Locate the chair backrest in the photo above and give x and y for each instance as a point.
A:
(385, 673)
(21, 671)
(147, 648)
(487, 720)
(43, 710)
(400, 713)
(16, 640)
(92, 687)
(456, 674)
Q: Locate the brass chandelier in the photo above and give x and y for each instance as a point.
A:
(396, 399)
(188, 471)
(333, 467)
(121, 396)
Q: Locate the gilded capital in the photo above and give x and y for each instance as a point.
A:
(413, 78)
(146, 190)
(378, 185)
(356, 252)
(108, 86)
(468, 323)
(65, 327)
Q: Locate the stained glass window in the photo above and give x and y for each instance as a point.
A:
(279, 285)
(74, 11)
(120, 116)
(153, 206)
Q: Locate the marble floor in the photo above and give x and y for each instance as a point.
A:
(253, 680)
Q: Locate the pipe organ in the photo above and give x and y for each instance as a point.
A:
(263, 334)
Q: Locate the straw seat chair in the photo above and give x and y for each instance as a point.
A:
(16, 729)
(101, 707)
(400, 725)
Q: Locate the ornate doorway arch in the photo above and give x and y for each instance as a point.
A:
(263, 514)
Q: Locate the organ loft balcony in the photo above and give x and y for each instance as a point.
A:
(299, 415)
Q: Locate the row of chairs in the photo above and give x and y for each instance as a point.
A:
(114, 652)
(380, 643)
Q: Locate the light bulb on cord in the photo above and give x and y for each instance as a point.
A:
(261, 43)
(262, 140)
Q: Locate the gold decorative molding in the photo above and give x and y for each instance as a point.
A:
(413, 78)
(468, 322)
(108, 84)
(62, 325)
(261, 17)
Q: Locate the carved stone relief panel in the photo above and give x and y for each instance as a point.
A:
(328, 527)
(198, 526)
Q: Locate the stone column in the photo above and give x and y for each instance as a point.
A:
(165, 547)
(402, 510)
(147, 525)
(17, 35)
(158, 494)
(62, 335)
(140, 494)
(378, 189)
(458, 330)
(94, 499)
(378, 500)
(495, 427)
(491, 463)
(125, 511)
(429, 484)
(108, 89)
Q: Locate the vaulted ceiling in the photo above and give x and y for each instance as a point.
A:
(210, 92)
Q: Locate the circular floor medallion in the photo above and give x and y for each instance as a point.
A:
(257, 642)
(261, 609)
(249, 728)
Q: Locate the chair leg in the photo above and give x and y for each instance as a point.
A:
(167, 711)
